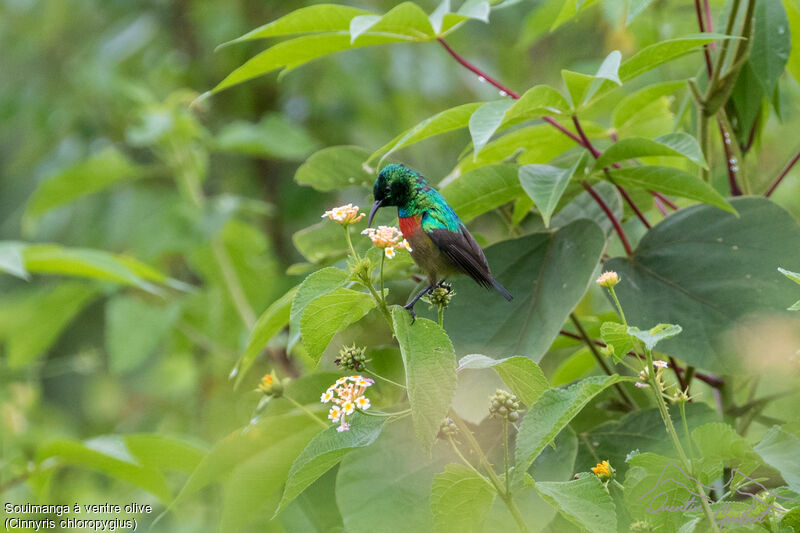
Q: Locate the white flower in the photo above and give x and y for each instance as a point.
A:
(660, 364)
(608, 279)
(326, 396)
(389, 251)
(342, 380)
(348, 407)
(334, 414)
(362, 403)
(363, 382)
(641, 385)
(344, 215)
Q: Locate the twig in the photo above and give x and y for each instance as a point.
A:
(783, 174)
(466, 64)
(701, 23)
(712, 381)
(678, 373)
(600, 361)
(611, 217)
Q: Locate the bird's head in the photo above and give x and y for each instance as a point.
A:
(395, 186)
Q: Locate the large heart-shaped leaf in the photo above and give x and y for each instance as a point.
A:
(547, 273)
(582, 501)
(430, 372)
(705, 269)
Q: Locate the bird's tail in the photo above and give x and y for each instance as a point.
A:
(502, 290)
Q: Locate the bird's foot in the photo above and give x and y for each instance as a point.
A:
(410, 309)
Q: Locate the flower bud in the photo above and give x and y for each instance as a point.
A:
(270, 385)
(503, 404)
(352, 358)
(448, 428)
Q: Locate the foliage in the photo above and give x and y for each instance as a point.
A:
(178, 323)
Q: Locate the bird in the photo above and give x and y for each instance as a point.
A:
(441, 245)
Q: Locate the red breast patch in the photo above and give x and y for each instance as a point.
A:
(410, 225)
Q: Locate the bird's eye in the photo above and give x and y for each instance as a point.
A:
(388, 188)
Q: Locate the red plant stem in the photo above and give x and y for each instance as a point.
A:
(713, 381)
(709, 23)
(666, 200)
(730, 162)
(596, 153)
(701, 23)
(477, 71)
(783, 174)
(581, 139)
(610, 216)
(660, 206)
(678, 373)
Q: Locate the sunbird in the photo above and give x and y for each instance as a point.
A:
(440, 243)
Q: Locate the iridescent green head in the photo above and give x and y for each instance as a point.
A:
(396, 186)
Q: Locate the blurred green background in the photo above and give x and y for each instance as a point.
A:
(95, 94)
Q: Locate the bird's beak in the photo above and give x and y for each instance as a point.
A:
(372, 212)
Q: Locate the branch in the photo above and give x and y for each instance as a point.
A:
(783, 174)
(611, 217)
(708, 379)
(476, 70)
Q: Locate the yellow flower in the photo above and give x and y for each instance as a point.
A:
(604, 471)
(608, 279)
(270, 385)
(344, 215)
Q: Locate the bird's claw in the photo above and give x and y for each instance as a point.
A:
(410, 310)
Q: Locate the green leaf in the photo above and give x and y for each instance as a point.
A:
(545, 185)
(771, 44)
(267, 326)
(634, 103)
(110, 456)
(274, 137)
(547, 273)
(35, 322)
(551, 414)
(335, 167)
(780, 449)
(93, 264)
(134, 329)
(719, 441)
(608, 70)
(635, 7)
(98, 172)
(585, 207)
(431, 378)
(406, 21)
(481, 190)
(672, 144)
(448, 120)
(637, 432)
(617, 339)
(327, 315)
(164, 452)
(323, 242)
(583, 501)
(485, 121)
(664, 51)
(326, 450)
(11, 259)
(670, 180)
(793, 16)
(536, 102)
(295, 52)
(443, 20)
(577, 86)
(707, 269)
(794, 276)
(317, 284)
(460, 499)
(656, 334)
(570, 9)
(524, 377)
(313, 19)
(387, 484)
(283, 436)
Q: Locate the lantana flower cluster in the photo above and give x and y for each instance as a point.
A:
(348, 395)
(344, 214)
(387, 237)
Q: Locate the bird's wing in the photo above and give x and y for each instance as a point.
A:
(460, 247)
